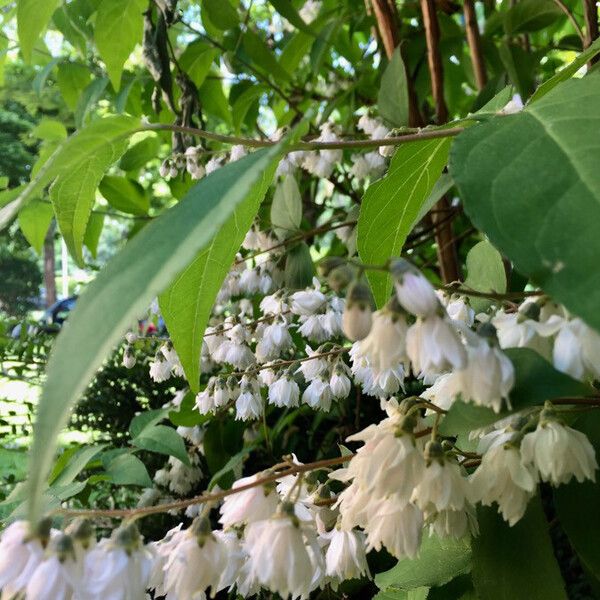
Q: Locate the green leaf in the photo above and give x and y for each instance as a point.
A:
(119, 25)
(566, 72)
(65, 471)
(439, 561)
(393, 93)
(145, 420)
(531, 15)
(286, 9)
(420, 593)
(93, 232)
(127, 469)
(125, 195)
(214, 101)
(299, 267)
(262, 56)
(515, 563)
(40, 79)
(32, 18)
(162, 440)
(71, 79)
(123, 289)
(286, 208)
(222, 440)
(536, 381)
(530, 182)
(221, 13)
(186, 304)
(322, 43)
(577, 504)
(140, 153)
(80, 163)
(89, 99)
(196, 61)
(294, 51)
(243, 103)
(485, 273)
(442, 186)
(49, 130)
(34, 221)
(390, 205)
(231, 466)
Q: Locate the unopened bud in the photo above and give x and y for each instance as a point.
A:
(339, 278)
(81, 531)
(328, 264)
(356, 320)
(128, 537)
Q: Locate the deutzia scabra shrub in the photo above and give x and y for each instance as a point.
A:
(354, 294)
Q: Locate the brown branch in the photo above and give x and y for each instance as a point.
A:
(132, 513)
(590, 13)
(572, 19)
(428, 134)
(474, 41)
(434, 59)
(386, 15)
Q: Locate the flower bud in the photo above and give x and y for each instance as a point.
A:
(339, 278)
(128, 358)
(356, 320)
(81, 530)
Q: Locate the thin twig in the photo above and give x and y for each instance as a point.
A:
(395, 140)
(571, 18)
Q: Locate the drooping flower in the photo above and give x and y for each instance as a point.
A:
(576, 350)
(278, 558)
(413, 290)
(308, 302)
(434, 347)
(254, 504)
(196, 563)
(489, 374)
(559, 452)
(346, 557)
(119, 568)
(284, 392)
(503, 478)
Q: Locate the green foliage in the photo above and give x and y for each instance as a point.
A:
(542, 177)
(124, 16)
(485, 273)
(515, 563)
(143, 269)
(393, 94)
(391, 205)
(439, 561)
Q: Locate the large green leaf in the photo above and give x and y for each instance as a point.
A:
(577, 504)
(393, 93)
(32, 18)
(531, 182)
(515, 563)
(196, 61)
(123, 289)
(536, 381)
(439, 561)
(262, 56)
(84, 152)
(74, 191)
(118, 29)
(71, 79)
(286, 9)
(390, 206)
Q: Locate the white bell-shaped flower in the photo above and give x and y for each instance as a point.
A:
(254, 504)
(503, 478)
(413, 290)
(346, 557)
(559, 452)
(284, 392)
